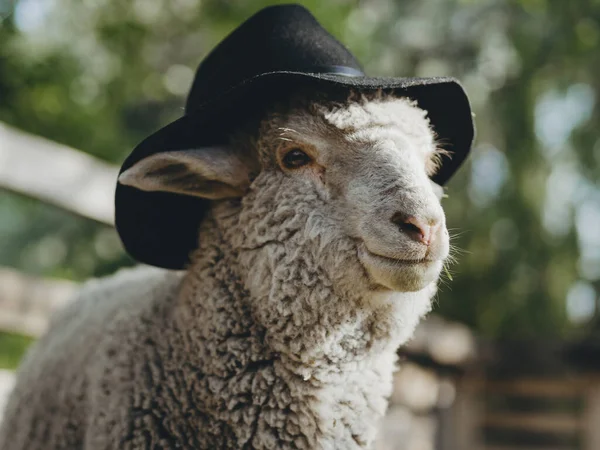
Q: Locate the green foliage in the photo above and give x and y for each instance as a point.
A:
(100, 76)
(12, 349)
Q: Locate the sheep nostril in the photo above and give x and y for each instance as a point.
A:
(410, 228)
(419, 230)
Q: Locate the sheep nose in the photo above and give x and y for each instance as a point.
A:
(418, 229)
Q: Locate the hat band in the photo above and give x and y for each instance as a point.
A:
(338, 70)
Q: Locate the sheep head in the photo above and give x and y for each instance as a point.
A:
(351, 178)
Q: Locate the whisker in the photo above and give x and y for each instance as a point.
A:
(456, 234)
(460, 251)
(288, 130)
(456, 250)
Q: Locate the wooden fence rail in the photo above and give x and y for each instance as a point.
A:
(27, 302)
(57, 174)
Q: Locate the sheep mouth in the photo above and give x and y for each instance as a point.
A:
(363, 252)
(399, 262)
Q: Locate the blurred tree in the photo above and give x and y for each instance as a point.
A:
(101, 75)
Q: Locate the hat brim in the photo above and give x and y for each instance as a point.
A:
(161, 229)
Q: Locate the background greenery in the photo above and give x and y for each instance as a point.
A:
(100, 75)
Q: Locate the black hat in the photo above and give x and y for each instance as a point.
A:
(278, 51)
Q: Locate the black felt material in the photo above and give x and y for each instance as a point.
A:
(278, 51)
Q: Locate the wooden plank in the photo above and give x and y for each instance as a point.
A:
(513, 447)
(57, 174)
(542, 423)
(536, 387)
(27, 302)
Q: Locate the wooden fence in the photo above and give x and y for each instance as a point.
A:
(63, 177)
(552, 411)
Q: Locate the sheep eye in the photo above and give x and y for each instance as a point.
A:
(295, 158)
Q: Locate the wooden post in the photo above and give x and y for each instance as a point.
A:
(468, 414)
(591, 431)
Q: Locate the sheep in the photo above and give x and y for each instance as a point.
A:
(320, 254)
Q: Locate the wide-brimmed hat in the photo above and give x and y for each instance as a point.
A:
(278, 51)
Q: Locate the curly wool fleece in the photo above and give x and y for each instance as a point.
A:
(274, 338)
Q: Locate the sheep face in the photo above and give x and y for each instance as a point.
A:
(365, 164)
(347, 182)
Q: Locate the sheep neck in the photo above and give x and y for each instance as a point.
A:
(316, 357)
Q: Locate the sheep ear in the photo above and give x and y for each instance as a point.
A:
(438, 190)
(209, 172)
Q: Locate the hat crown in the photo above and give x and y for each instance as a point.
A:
(278, 38)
